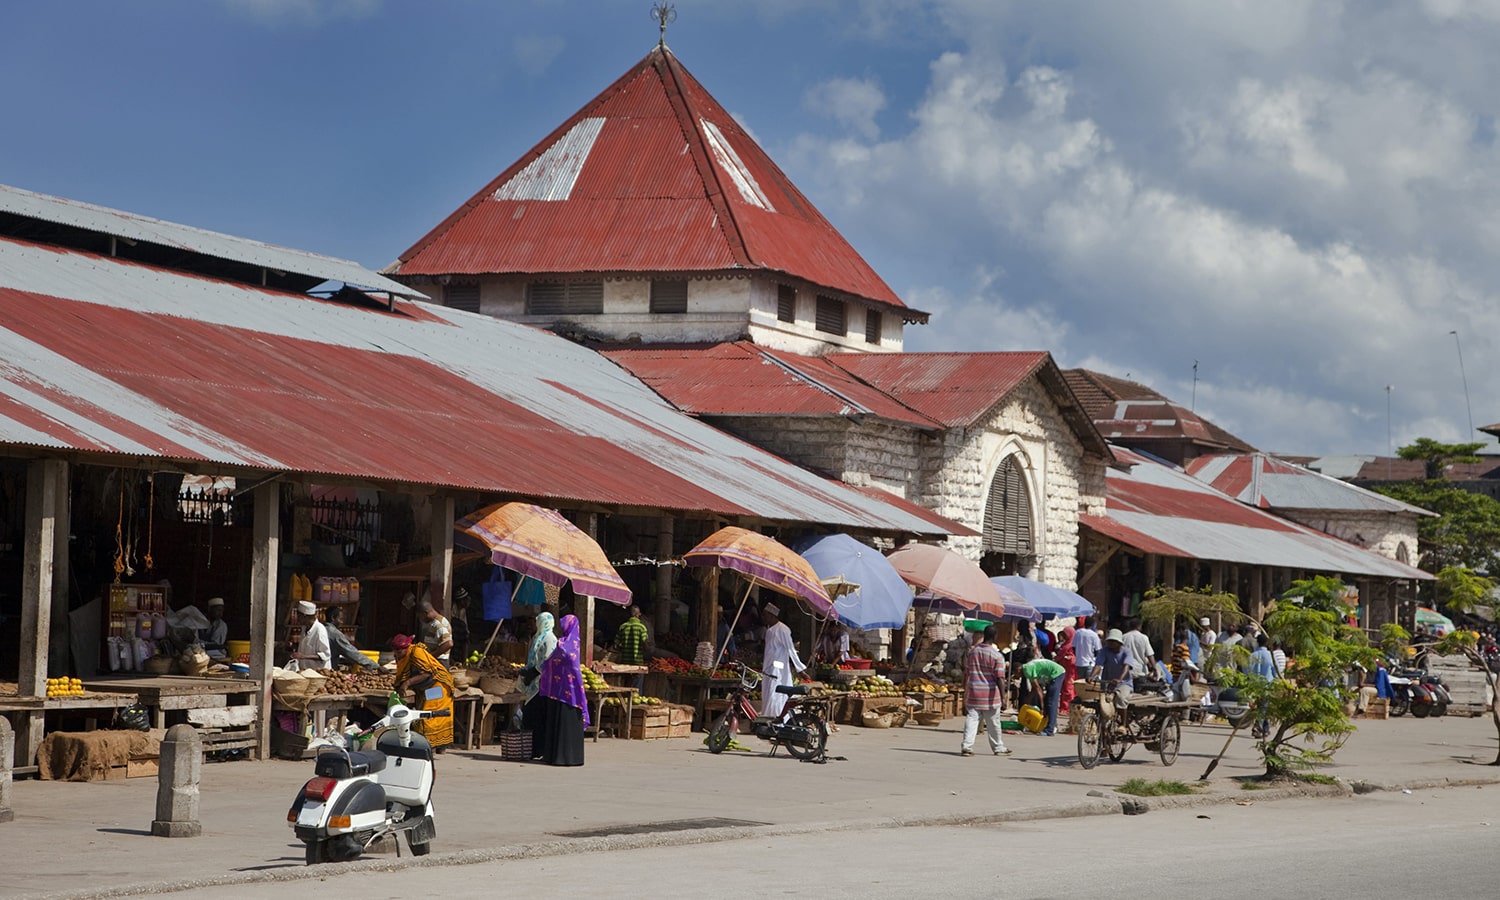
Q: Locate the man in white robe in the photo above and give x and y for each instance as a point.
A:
(780, 662)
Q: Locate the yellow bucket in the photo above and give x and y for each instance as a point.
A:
(1031, 719)
(374, 655)
(237, 651)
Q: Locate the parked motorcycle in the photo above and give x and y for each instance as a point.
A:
(358, 796)
(1421, 693)
(802, 727)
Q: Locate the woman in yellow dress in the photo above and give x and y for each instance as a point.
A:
(418, 670)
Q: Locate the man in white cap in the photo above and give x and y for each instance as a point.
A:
(214, 637)
(779, 663)
(314, 650)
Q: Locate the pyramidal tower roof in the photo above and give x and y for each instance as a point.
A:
(652, 175)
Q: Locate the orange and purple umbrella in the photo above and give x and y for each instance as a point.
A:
(944, 573)
(764, 561)
(539, 543)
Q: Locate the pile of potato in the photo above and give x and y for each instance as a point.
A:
(336, 682)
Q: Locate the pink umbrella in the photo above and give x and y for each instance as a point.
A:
(946, 574)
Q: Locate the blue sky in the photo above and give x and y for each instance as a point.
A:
(1300, 196)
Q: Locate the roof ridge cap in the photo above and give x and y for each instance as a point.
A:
(667, 66)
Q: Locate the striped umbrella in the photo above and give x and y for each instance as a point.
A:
(539, 543)
(764, 561)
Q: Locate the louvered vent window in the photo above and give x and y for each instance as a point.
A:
(669, 296)
(872, 326)
(574, 298)
(462, 296)
(830, 317)
(786, 303)
(1007, 513)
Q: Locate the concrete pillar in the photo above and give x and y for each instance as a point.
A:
(441, 572)
(179, 771)
(266, 554)
(7, 761)
(664, 544)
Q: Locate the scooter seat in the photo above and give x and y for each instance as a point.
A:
(358, 762)
(793, 690)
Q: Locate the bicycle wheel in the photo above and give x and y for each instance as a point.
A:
(1169, 740)
(814, 747)
(1089, 741)
(1113, 739)
(722, 733)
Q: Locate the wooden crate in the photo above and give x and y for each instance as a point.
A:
(1379, 708)
(141, 768)
(680, 730)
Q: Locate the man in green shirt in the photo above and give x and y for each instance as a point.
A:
(630, 643)
(1046, 680)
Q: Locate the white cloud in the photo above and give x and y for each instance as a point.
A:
(534, 53)
(853, 102)
(1282, 191)
(305, 12)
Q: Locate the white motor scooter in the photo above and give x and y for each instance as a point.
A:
(358, 796)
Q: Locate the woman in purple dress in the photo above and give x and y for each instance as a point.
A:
(561, 688)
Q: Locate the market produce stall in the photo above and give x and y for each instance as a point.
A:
(222, 708)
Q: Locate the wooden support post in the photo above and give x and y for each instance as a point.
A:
(441, 571)
(1169, 573)
(265, 556)
(42, 479)
(586, 621)
(1153, 569)
(60, 647)
(665, 537)
(708, 595)
(1257, 604)
(1216, 576)
(7, 759)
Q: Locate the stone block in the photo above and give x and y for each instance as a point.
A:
(180, 769)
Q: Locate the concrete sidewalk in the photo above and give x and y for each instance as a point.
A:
(93, 839)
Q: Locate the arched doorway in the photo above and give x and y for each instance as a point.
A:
(1009, 547)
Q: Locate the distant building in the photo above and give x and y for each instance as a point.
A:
(1129, 414)
(651, 216)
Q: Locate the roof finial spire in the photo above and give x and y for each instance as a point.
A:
(663, 14)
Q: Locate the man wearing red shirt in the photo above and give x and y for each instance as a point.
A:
(984, 693)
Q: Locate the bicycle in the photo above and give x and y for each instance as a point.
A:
(802, 726)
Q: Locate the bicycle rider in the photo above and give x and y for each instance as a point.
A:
(1113, 663)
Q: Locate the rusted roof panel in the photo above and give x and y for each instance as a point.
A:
(652, 175)
(114, 222)
(1157, 508)
(742, 379)
(953, 388)
(103, 355)
(1270, 483)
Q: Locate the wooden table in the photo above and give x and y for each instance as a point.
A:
(694, 691)
(28, 718)
(167, 693)
(596, 700)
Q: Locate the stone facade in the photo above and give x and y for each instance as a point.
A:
(719, 308)
(1386, 533)
(950, 471)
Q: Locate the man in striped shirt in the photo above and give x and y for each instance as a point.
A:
(984, 694)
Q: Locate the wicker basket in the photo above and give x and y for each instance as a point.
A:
(929, 718)
(158, 665)
(877, 720)
(843, 676)
(515, 745)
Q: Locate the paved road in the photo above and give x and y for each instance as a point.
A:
(1435, 843)
(486, 805)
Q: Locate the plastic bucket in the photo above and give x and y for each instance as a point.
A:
(372, 655)
(237, 651)
(1031, 719)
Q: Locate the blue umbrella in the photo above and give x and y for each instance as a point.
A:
(1048, 600)
(881, 599)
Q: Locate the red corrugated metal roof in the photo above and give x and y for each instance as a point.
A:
(1147, 415)
(953, 388)
(652, 175)
(1158, 508)
(954, 528)
(742, 379)
(114, 357)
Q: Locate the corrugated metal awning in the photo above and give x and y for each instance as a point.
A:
(1160, 509)
(103, 355)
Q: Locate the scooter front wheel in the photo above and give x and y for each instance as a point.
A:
(721, 734)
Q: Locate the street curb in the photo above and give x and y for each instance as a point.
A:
(1106, 804)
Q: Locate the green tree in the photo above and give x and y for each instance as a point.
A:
(1438, 456)
(1467, 644)
(1319, 592)
(1466, 531)
(1463, 590)
(1305, 707)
